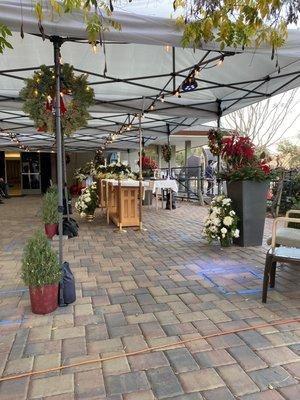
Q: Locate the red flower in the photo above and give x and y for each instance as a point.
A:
(265, 167)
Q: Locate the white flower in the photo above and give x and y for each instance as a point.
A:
(223, 230)
(232, 213)
(236, 233)
(227, 221)
(213, 228)
(226, 201)
(216, 221)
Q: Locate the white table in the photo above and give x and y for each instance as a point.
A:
(164, 184)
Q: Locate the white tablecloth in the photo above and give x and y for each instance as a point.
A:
(165, 184)
(127, 182)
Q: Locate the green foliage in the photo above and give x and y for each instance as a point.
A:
(50, 206)
(248, 173)
(41, 88)
(4, 43)
(289, 154)
(236, 23)
(39, 263)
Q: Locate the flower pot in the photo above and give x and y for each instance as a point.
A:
(225, 242)
(51, 230)
(44, 299)
(249, 200)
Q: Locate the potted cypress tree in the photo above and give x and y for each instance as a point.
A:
(50, 212)
(41, 273)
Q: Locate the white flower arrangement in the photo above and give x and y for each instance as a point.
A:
(88, 200)
(221, 223)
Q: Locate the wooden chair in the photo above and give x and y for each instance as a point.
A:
(281, 250)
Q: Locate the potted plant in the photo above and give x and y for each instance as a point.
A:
(87, 202)
(42, 273)
(247, 181)
(50, 212)
(166, 152)
(221, 223)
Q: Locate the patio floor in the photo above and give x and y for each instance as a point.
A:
(147, 289)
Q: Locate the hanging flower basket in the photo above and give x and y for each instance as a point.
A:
(215, 141)
(166, 152)
(76, 97)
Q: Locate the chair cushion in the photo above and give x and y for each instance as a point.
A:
(289, 237)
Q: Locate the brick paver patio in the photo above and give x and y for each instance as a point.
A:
(147, 289)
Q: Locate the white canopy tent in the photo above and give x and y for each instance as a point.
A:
(139, 72)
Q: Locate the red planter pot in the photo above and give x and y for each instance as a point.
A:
(44, 299)
(51, 230)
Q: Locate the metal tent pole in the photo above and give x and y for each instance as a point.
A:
(65, 178)
(57, 42)
(169, 162)
(140, 174)
(219, 157)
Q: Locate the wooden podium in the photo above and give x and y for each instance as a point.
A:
(121, 200)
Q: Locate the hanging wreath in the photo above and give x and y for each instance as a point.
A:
(75, 98)
(215, 141)
(166, 152)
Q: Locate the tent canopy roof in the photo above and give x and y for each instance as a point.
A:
(139, 71)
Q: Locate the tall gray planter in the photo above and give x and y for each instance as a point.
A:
(249, 200)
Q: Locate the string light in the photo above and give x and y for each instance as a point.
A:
(162, 98)
(95, 48)
(167, 48)
(14, 138)
(220, 62)
(152, 107)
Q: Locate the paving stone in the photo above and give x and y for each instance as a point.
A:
(200, 380)
(266, 395)
(142, 395)
(181, 360)
(14, 390)
(278, 356)
(126, 330)
(83, 309)
(102, 346)
(225, 341)
(73, 347)
(213, 358)
(89, 384)
(275, 376)
(216, 315)
(147, 361)
(222, 393)
(290, 392)
(237, 380)
(192, 316)
(293, 369)
(71, 332)
(116, 366)
(152, 330)
(19, 366)
(96, 332)
(164, 382)
(51, 386)
(134, 343)
(255, 340)
(126, 383)
(187, 396)
(46, 361)
(247, 358)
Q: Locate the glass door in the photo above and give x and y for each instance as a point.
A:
(31, 179)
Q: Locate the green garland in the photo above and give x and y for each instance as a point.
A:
(40, 90)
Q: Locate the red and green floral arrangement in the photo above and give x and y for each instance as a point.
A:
(239, 154)
(242, 163)
(148, 166)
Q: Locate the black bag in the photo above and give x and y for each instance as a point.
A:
(67, 292)
(173, 201)
(70, 227)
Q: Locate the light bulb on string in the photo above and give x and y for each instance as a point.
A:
(167, 48)
(197, 73)
(220, 62)
(162, 98)
(152, 107)
(95, 48)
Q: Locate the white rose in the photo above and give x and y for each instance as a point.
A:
(213, 228)
(227, 221)
(223, 230)
(226, 201)
(232, 213)
(236, 233)
(216, 221)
